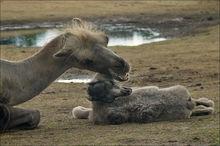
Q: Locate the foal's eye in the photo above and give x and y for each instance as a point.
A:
(88, 62)
(112, 82)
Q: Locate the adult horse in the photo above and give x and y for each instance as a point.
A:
(81, 46)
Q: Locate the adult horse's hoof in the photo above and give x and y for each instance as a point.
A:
(4, 117)
(35, 120)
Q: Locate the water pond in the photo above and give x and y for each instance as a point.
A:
(119, 35)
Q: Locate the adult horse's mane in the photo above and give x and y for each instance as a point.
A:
(83, 30)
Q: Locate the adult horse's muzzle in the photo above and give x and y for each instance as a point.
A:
(120, 71)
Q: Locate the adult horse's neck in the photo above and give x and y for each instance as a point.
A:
(34, 74)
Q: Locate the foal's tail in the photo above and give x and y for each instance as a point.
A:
(203, 106)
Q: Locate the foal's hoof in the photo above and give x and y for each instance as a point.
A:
(205, 102)
(126, 91)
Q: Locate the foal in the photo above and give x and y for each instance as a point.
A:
(114, 104)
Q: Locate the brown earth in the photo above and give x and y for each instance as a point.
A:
(191, 60)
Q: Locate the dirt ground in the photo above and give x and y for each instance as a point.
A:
(191, 60)
(172, 18)
(36, 11)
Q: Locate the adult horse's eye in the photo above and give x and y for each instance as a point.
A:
(88, 62)
(106, 39)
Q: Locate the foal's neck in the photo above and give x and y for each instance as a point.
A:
(102, 77)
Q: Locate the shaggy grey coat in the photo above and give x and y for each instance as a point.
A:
(143, 105)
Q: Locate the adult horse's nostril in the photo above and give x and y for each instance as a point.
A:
(125, 66)
(122, 62)
(122, 66)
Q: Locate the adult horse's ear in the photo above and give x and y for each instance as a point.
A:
(78, 22)
(63, 53)
(68, 42)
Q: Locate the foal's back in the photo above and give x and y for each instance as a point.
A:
(146, 104)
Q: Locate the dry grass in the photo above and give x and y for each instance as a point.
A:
(29, 11)
(188, 61)
(7, 34)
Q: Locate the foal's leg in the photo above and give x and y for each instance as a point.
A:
(80, 112)
(17, 118)
(205, 102)
(202, 110)
(203, 106)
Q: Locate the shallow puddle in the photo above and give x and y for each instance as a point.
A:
(119, 34)
(74, 81)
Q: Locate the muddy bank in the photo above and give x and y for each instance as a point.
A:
(169, 25)
(191, 61)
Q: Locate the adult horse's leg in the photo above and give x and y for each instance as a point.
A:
(4, 117)
(17, 118)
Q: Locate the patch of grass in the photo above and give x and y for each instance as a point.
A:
(7, 34)
(29, 11)
(10, 52)
(188, 61)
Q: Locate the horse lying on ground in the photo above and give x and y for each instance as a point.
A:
(113, 104)
(81, 46)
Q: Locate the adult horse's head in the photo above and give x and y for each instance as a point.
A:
(86, 48)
